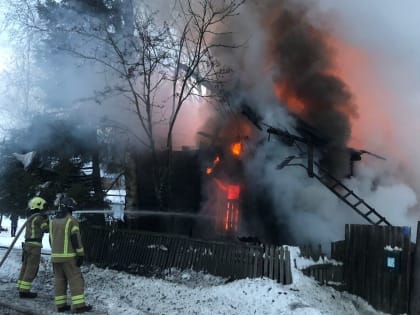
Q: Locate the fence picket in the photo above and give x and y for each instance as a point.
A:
(287, 267)
(125, 248)
(276, 264)
(281, 278)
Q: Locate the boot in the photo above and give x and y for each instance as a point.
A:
(83, 309)
(63, 308)
(28, 295)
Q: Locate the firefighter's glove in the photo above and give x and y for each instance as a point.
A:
(79, 260)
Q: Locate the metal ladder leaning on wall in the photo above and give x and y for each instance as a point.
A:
(342, 192)
(338, 188)
(351, 198)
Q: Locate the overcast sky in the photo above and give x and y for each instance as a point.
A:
(389, 28)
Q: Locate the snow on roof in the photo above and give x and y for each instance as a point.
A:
(26, 159)
(116, 196)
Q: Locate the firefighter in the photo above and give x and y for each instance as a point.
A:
(67, 255)
(36, 226)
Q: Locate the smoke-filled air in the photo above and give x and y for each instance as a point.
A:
(297, 68)
(299, 65)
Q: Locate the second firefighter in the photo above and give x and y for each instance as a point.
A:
(67, 255)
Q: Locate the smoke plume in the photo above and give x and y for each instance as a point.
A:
(291, 66)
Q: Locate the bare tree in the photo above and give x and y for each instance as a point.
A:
(196, 36)
(154, 64)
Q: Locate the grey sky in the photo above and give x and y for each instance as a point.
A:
(388, 28)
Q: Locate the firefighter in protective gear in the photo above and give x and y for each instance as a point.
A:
(67, 255)
(36, 226)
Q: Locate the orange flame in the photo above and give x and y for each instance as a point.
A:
(356, 67)
(227, 215)
(231, 211)
(209, 170)
(233, 192)
(291, 101)
(236, 148)
(232, 215)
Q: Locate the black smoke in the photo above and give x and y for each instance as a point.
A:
(302, 64)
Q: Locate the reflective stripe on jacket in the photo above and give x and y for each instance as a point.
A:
(35, 229)
(61, 230)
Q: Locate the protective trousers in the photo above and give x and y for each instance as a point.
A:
(68, 273)
(30, 265)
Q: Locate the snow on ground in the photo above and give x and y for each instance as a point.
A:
(183, 292)
(5, 238)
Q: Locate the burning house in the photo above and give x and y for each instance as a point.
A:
(225, 182)
(302, 103)
(235, 183)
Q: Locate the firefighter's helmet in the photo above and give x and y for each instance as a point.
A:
(68, 203)
(36, 203)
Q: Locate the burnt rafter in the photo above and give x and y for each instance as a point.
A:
(312, 140)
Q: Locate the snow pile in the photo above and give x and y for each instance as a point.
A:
(186, 292)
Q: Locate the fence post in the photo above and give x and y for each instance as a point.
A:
(287, 267)
(414, 307)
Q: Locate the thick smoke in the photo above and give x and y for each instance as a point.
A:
(301, 61)
(289, 64)
(286, 64)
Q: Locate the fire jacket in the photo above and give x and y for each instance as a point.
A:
(66, 242)
(35, 229)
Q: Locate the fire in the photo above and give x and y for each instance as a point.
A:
(225, 174)
(232, 214)
(370, 124)
(236, 148)
(231, 210)
(287, 97)
(233, 192)
(209, 170)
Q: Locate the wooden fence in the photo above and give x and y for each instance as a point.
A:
(142, 252)
(328, 274)
(311, 252)
(325, 273)
(377, 265)
(414, 307)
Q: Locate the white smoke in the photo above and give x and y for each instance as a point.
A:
(388, 123)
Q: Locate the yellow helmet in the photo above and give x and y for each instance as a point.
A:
(37, 203)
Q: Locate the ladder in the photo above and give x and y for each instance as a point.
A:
(345, 194)
(351, 198)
